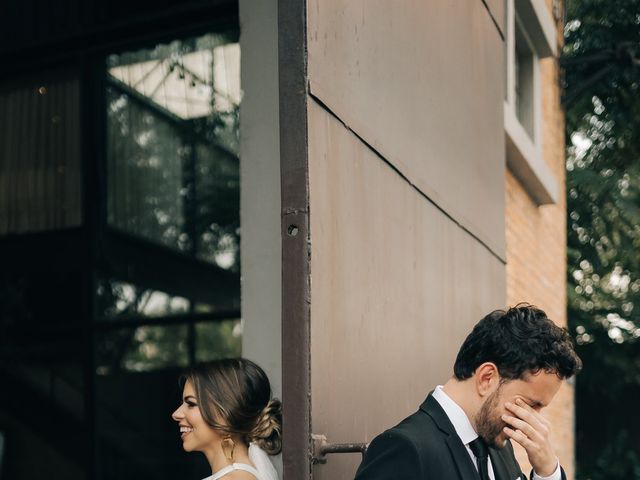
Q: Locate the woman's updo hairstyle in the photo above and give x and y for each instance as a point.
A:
(234, 396)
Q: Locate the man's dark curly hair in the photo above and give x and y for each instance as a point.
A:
(519, 341)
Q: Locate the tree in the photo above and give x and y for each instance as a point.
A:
(602, 76)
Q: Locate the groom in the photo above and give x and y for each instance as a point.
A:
(508, 369)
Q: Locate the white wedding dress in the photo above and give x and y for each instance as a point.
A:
(264, 469)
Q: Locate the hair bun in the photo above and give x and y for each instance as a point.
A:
(267, 432)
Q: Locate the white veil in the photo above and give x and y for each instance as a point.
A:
(262, 463)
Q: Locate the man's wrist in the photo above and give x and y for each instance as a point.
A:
(556, 475)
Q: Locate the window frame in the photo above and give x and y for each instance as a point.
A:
(524, 142)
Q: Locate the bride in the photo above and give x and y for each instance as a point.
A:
(228, 414)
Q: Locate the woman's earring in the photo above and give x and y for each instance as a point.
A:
(227, 447)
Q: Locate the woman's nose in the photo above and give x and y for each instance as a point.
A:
(177, 415)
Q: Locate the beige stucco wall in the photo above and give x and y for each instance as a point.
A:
(396, 286)
(406, 169)
(422, 83)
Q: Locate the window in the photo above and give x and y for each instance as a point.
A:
(524, 62)
(119, 242)
(530, 36)
(172, 152)
(40, 174)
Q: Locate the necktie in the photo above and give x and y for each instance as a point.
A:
(481, 451)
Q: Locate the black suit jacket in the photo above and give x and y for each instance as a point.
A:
(425, 446)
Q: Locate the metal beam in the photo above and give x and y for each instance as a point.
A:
(294, 172)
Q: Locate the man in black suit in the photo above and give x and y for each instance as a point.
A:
(508, 369)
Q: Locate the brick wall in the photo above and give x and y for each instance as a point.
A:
(536, 254)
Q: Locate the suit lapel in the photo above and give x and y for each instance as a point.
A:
(461, 458)
(466, 469)
(505, 464)
(499, 467)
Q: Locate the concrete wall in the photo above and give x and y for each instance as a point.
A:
(406, 195)
(260, 189)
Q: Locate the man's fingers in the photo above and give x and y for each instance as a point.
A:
(531, 430)
(520, 410)
(522, 426)
(519, 437)
(532, 411)
(529, 415)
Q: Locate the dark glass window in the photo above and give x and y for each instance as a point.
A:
(119, 252)
(172, 154)
(40, 174)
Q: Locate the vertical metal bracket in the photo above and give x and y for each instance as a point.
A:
(321, 448)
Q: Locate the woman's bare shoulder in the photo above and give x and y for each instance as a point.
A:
(239, 475)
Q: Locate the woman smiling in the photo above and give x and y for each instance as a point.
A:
(228, 414)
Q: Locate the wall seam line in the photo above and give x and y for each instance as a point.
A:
(377, 153)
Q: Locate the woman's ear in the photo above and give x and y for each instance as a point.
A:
(486, 378)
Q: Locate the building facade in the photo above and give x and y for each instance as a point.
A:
(433, 138)
(336, 189)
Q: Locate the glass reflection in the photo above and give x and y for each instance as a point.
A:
(216, 340)
(173, 127)
(146, 191)
(217, 218)
(146, 348)
(118, 300)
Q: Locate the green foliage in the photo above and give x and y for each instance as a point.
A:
(603, 183)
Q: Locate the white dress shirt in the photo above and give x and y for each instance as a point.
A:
(467, 434)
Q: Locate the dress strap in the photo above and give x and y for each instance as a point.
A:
(230, 468)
